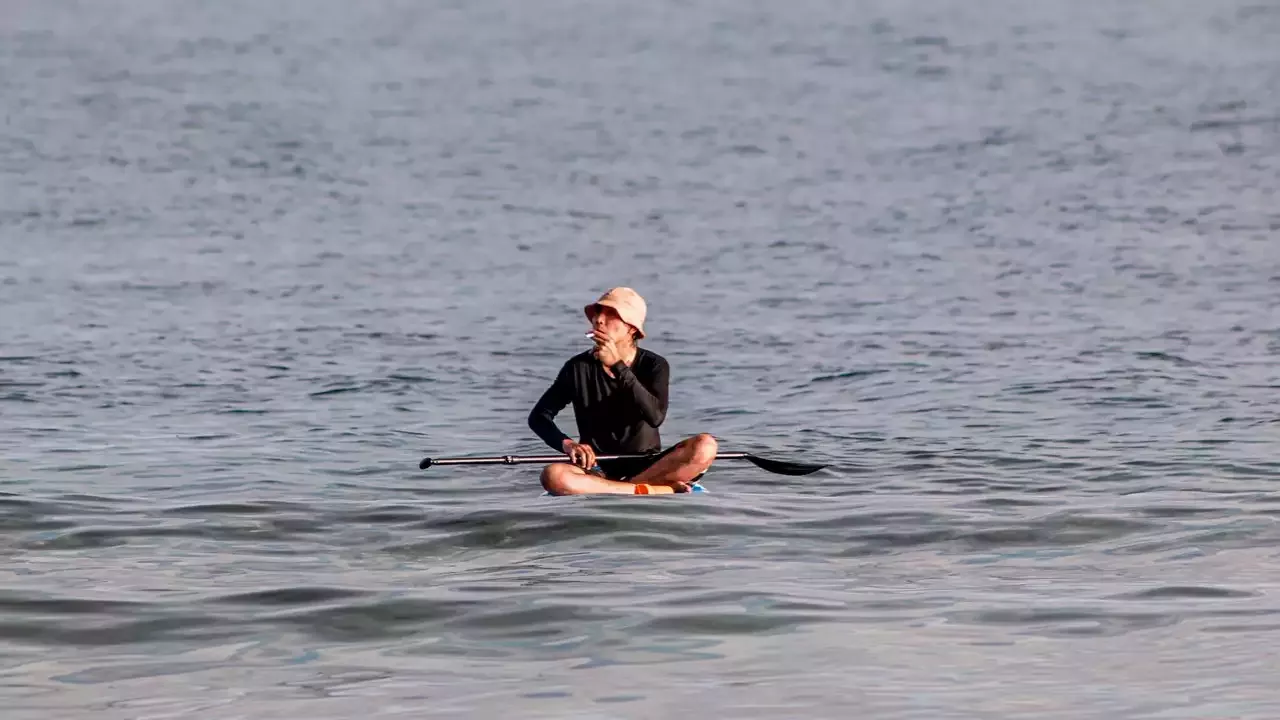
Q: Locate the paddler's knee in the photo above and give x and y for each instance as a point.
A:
(557, 478)
(704, 449)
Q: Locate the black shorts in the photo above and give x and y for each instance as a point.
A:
(630, 467)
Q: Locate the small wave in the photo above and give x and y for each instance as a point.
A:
(850, 375)
(722, 623)
(289, 596)
(223, 508)
(184, 628)
(1185, 592)
(86, 538)
(13, 602)
(392, 515)
(1168, 357)
(1065, 621)
(376, 620)
(337, 391)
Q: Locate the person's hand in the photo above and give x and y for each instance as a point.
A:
(606, 350)
(580, 454)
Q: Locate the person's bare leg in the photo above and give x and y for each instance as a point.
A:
(680, 467)
(568, 479)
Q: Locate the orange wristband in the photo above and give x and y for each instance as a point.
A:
(642, 489)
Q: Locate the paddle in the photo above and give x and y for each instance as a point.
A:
(781, 467)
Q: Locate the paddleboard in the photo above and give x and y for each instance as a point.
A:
(697, 488)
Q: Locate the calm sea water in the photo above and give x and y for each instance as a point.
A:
(1009, 268)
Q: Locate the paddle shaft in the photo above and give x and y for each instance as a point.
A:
(781, 467)
(542, 459)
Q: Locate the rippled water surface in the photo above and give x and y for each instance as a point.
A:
(1010, 269)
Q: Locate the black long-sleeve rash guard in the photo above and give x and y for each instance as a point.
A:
(615, 415)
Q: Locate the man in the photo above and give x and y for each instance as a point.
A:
(619, 396)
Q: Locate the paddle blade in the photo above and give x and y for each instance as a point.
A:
(783, 468)
(426, 463)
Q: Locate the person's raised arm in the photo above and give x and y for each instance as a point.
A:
(650, 394)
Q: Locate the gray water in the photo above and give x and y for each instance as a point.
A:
(1008, 268)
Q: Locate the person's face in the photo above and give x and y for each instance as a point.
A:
(605, 319)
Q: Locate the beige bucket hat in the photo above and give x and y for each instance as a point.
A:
(627, 303)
